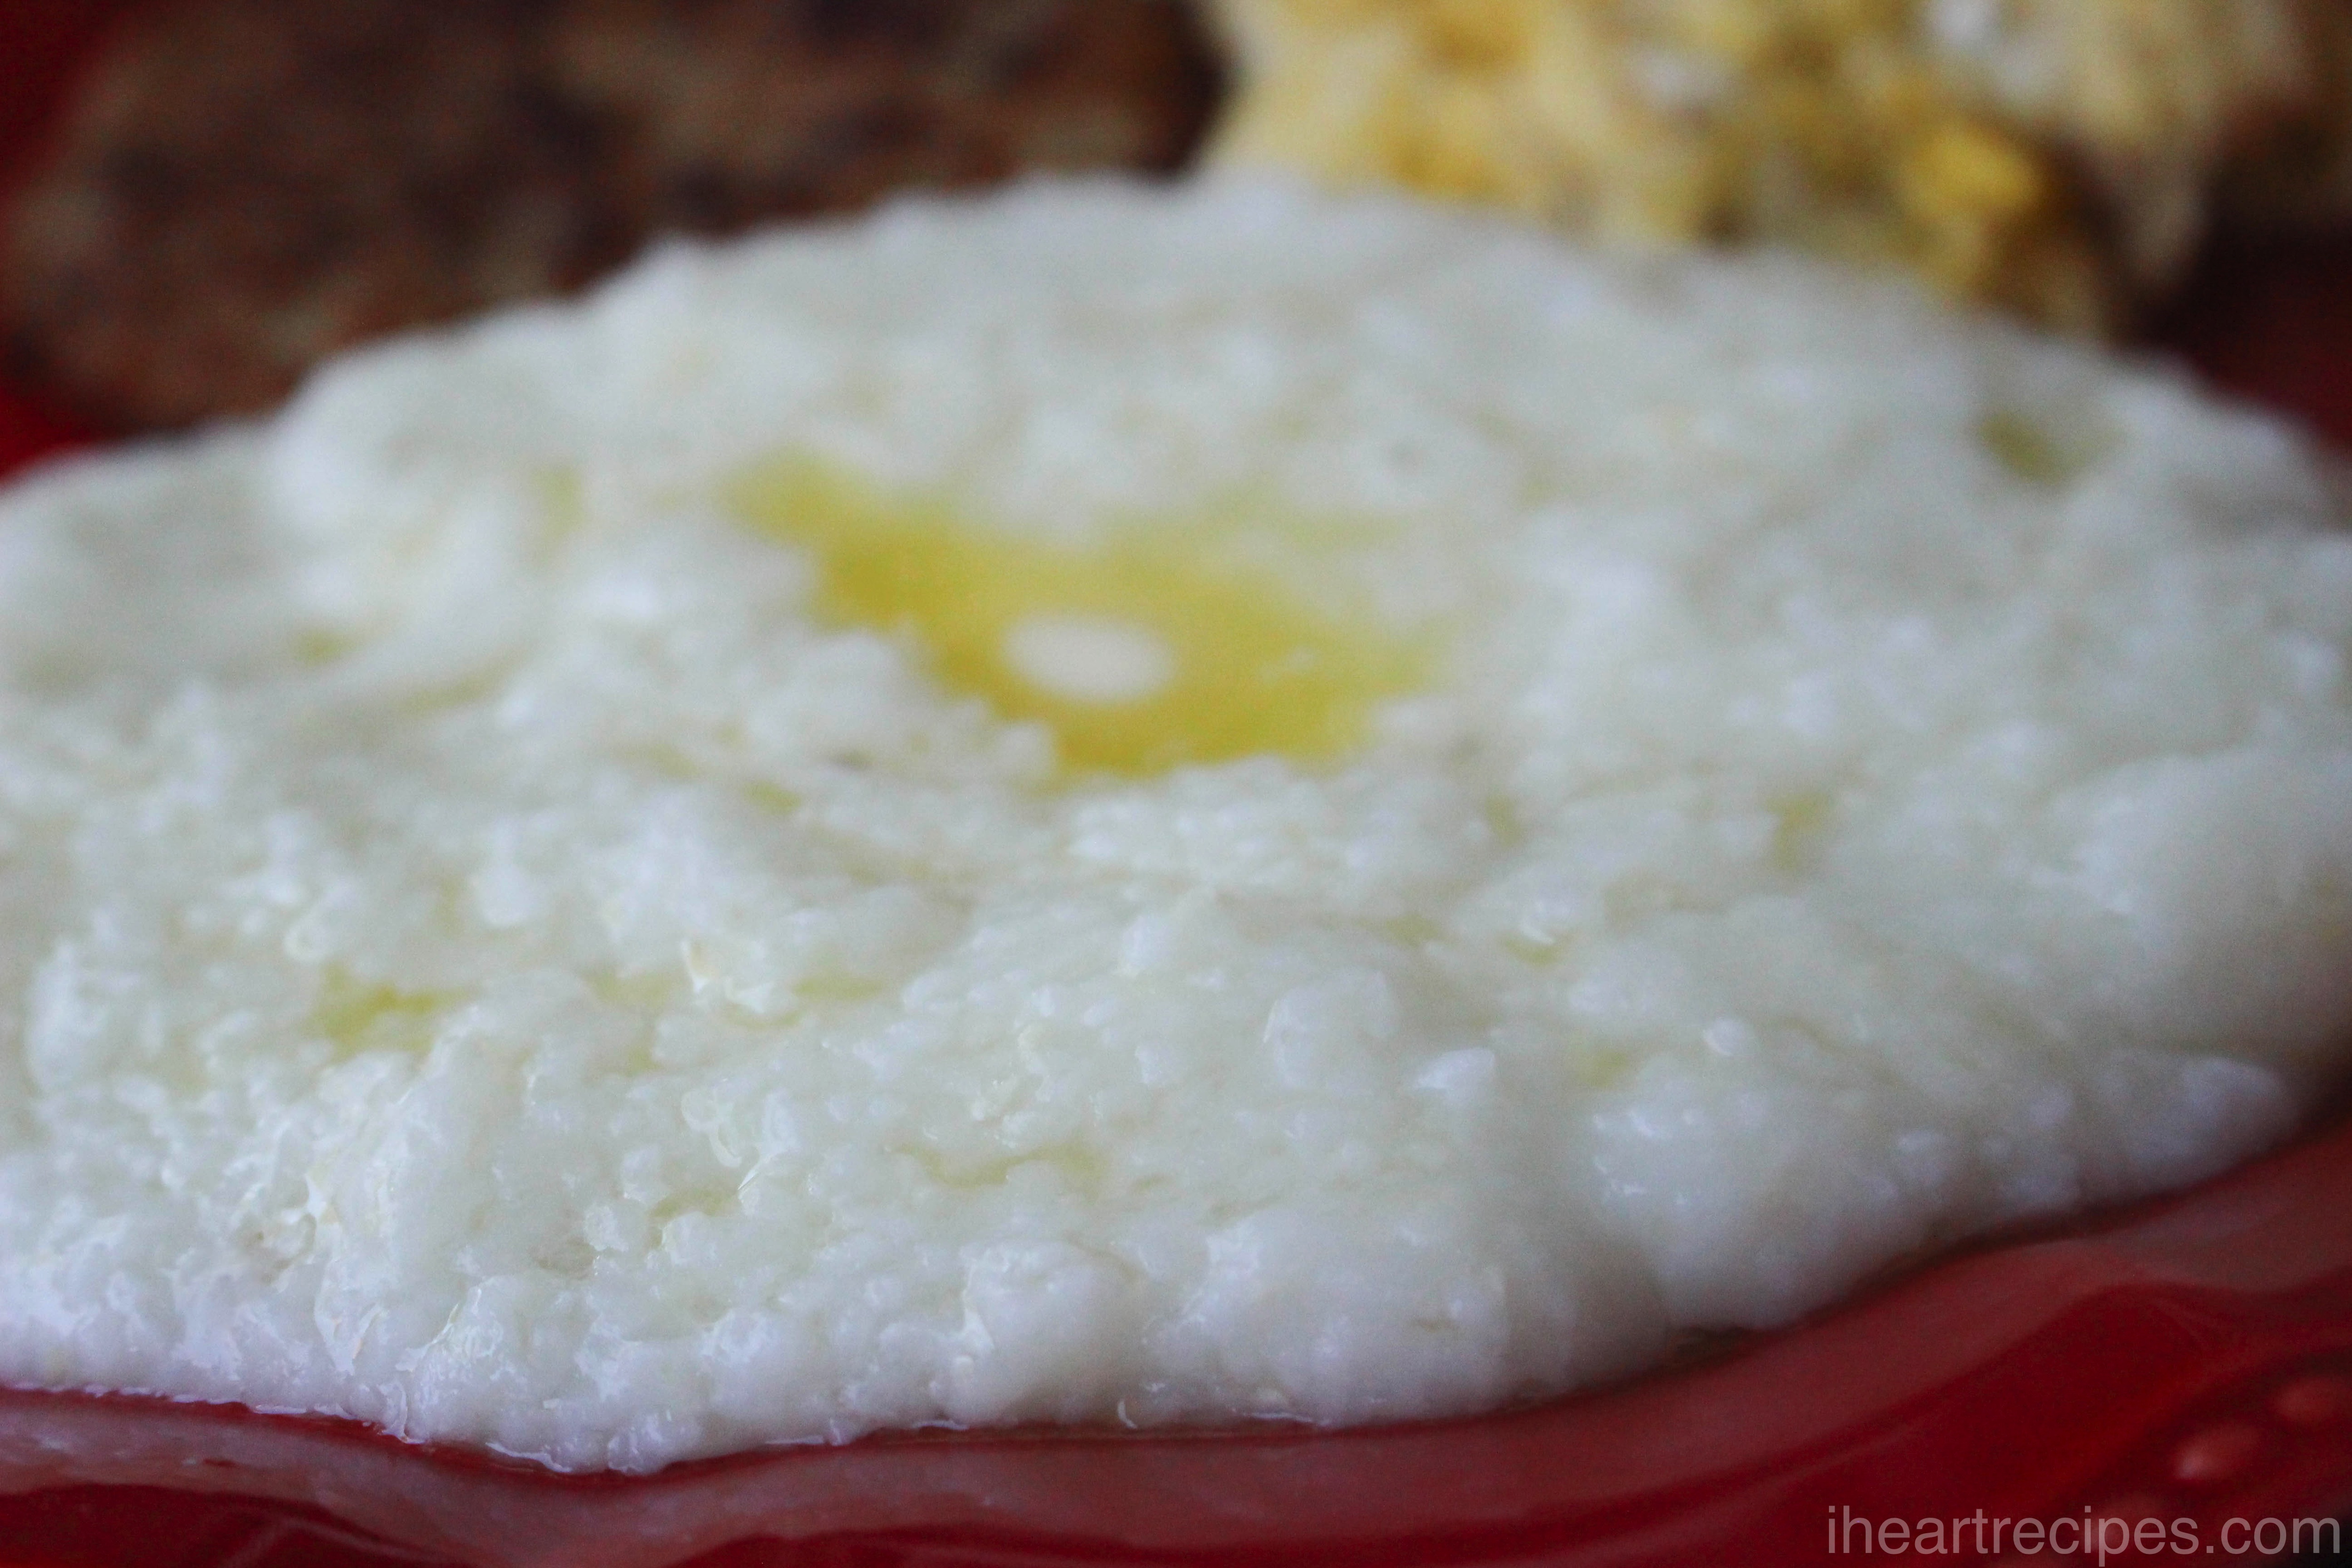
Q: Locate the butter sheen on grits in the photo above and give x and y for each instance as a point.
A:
(1135, 805)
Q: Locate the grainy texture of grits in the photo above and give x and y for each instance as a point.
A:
(480, 953)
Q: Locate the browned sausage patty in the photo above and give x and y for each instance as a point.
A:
(246, 186)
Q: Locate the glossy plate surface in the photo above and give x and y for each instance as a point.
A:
(2157, 1374)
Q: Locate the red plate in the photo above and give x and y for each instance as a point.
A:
(2178, 1376)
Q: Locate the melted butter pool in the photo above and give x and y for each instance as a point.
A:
(1142, 652)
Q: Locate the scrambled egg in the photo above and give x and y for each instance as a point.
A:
(2061, 157)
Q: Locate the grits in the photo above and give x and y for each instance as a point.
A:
(1135, 805)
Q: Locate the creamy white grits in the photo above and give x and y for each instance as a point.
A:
(1122, 805)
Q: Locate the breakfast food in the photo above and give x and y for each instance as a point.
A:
(2063, 157)
(1129, 805)
(248, 186)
